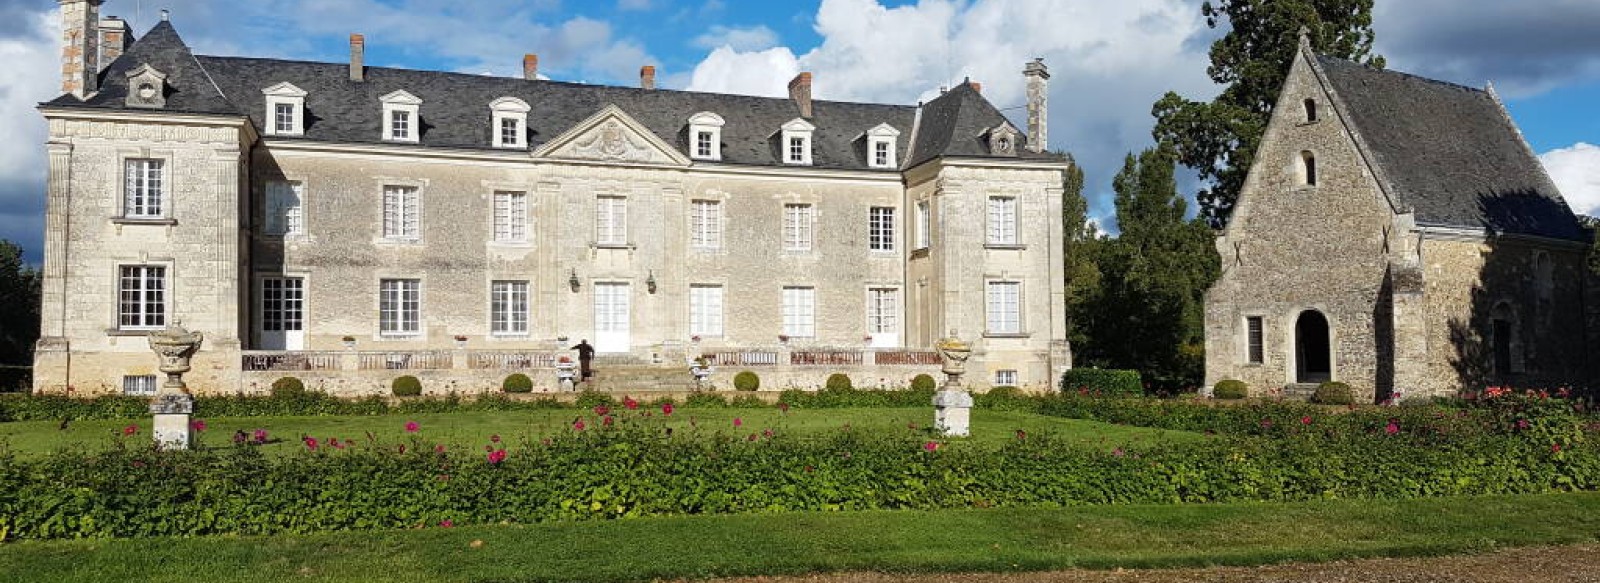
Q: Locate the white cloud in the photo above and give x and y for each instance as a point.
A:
(764, 73)
(1576, 171)
(1526, 47)
(753, 38)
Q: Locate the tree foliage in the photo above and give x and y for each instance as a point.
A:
(19, 296)
(1078, 240)
(1219, 139)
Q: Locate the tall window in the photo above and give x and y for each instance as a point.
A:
(283, 304)
(797, 150)
(399, 307)
(510, 132)
(702, 145)
(797, 225)
(142, 297)
(1308, 168)
(1311, 110)
(705, 224)
(1002, 220)
(508, 308)
(924, 225)
(399, 125)
(285, 208)
(1254, 344)
(145, 188)
(800, 312)
(883, 311)
(401, 212)
(880, 154)
(611, 220)
(705, 310)
(283, 118)
(1005, 307)
(511, 217)
(880, 228)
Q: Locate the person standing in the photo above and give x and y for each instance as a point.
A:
(585, 356)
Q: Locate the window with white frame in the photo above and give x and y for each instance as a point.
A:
(705, 310)
(142, 297)
(796, 141)
(143, 385)
(883, 311)
(611, 220)
(797, 227)
(1002, 220)
(705, 224)
(144, 188)
(509, 116)
(924, 225)
(402, 209)
(510, 217)
(880, 228)
(800, 312)
(705, 131)
(881, 146)
(508, 308)
(1004, 307)
(400, 307)
(286, 106)
(1005, 378)
(285, 208)
(400, 117)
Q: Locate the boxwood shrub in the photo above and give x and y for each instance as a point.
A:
(517, 383)
(839, 382)
(1107, 382)
(923, 382)
(287, 386)
(406, 386)
(746, 381)
(1333, 393)
(1230, 389)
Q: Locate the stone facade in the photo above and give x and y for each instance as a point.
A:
(1324, 230)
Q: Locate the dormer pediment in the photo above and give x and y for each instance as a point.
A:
(883, 130)
(706, 118)
(798, 125)
(147, 88)
(1002, 139)
(401, 97)
(611, 135)
(510, 104)
(284, 89)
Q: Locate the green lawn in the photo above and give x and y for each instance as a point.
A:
(474, 428)
(944, 541)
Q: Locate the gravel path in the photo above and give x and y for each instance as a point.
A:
(1523, 565)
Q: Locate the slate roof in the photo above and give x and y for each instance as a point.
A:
(1450, 153)
(455, 109)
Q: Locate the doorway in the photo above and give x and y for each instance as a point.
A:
(1312, 348)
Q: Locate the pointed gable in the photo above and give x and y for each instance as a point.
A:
(188, 87)
(960, 124)
(611, 135)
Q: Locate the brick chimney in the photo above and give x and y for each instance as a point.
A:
(1038, 77)
(976, 86)
(530, 67)
(358, 58)
(800, 92)
(115, 37)
(647, 77)
(80, 47)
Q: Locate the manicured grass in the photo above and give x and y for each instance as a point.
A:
(944, 541)
(474, 428)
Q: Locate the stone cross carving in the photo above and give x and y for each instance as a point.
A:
(173, 404)
(952, 405)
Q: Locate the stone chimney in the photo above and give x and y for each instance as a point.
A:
(1038, 77)
(530, 67)
(358, 58)
(800, 92)
(115, 36)
(647, 77)
(80, 47)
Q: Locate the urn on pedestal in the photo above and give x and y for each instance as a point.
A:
(173, 404)
(952, 405)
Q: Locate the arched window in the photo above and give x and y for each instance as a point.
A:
(1311, 110)
(1308, 168)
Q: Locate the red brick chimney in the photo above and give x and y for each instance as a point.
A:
(647, 77)
(800, 92)
(530, 67)
(358, 57)
(976, 86)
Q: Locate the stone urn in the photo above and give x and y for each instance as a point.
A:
(173, 404)
(702, 372)
(952, 405)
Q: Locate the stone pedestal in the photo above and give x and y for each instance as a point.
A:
(952, 412)
(173, 404)
(172, 429)
(565, 373)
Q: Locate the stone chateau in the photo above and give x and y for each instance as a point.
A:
(1397, 234)
(348, 224)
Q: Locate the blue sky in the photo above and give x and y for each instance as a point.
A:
(1110, 60)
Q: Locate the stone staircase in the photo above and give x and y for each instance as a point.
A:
(621, 374)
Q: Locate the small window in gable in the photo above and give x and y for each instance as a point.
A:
(510, 119)
(400, 119)
(286, 105)
(1308, 168)
(881, 147)
(705, 136)
(797, 142)
(1003, 140)
(1311, 110)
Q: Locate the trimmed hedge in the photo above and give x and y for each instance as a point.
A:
(746, 381)
(407, 386)
(1107, 382)
(1333, 393)
(839, 382)
(517, 383)
(1229, 389)
(923, 382)
(287, 386)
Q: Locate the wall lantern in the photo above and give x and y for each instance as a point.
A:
(650, 282)
(572, 281)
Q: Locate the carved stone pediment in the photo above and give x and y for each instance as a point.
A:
(612, 136)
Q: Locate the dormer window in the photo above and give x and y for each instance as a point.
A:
(705, 136)
(286, 106)
(881, 147)
(400, 119)
(1003, 140)
(796, 144)
(147, 88)
(510, 119)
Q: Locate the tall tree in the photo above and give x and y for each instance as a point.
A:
(19, 295)
(1219, 139)
(1078, 240)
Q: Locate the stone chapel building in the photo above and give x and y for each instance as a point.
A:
(1397, 234)
(347, 224)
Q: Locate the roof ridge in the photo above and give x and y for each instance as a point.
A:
(1372, 69)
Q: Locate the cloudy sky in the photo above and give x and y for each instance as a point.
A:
(1109, 60)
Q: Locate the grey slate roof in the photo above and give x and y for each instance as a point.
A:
(1450, 153)
(455, 109)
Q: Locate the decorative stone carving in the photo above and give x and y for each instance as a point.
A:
(952, 405)
(611, 142)
(147, 88)
(173, 404)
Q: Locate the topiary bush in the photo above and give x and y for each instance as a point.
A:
(1103, 381)
(1333, 393)
(839, 382)
(517, 383)
(923, 382)
(1230, 389)
(746, 381)
(406, 386)
(287, 386)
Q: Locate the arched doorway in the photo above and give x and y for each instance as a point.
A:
(1313, 354)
